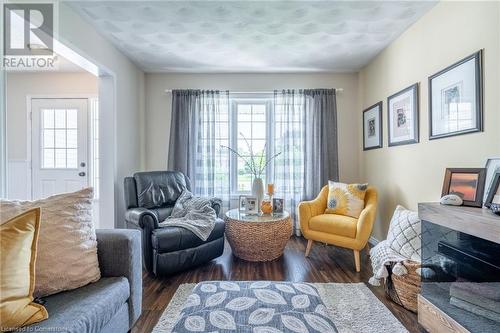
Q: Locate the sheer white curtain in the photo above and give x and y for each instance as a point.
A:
(305, 132)
(288, 131)
(212, 162)
(200, 125)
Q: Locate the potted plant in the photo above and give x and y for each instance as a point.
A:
(257, 164)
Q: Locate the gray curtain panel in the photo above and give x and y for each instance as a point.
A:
(320, 140)
(185, 103)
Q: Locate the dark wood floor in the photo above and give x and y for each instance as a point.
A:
(325, 264)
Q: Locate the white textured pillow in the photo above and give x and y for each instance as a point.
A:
(404, 234)
(67, 246)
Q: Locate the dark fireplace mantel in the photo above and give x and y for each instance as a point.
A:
(461, 245)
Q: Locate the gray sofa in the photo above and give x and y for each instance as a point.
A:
(110, 305)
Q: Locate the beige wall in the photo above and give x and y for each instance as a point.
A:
(158, 108)
(414, 173)
(20, 85)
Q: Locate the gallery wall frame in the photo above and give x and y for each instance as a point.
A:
(407, 116)
(371, 116)
(456, 85)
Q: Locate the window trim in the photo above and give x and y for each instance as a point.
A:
(254, 99)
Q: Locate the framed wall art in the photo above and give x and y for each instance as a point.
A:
(402, 116)
(455, 98)
(468, 183)
(372, 127)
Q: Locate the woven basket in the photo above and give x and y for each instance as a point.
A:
(403, 290)
(258, 241)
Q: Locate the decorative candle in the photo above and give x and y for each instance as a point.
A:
(270, 189)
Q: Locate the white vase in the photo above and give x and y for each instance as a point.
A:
(258, 190)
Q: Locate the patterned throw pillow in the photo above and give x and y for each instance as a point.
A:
(346, 199)
(66, 255)
(404, 235)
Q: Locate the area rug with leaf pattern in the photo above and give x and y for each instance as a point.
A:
(272, 307)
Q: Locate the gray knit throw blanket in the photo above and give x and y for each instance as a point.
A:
(194, 214)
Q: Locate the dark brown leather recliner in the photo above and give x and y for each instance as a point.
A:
(149, 199)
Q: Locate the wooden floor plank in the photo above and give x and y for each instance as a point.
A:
(325, 264)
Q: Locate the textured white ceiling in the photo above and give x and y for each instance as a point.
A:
(251, 36)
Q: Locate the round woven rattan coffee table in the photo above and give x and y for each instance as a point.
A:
(257, 237)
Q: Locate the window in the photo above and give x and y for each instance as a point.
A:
(249, 133)
(227, 128)
(248, 124)
(59, 139)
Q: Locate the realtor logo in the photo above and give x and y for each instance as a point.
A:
(28, 29)
(29, 36)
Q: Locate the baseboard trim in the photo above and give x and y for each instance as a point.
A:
(373, 241)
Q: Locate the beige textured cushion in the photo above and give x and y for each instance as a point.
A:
(67, 246)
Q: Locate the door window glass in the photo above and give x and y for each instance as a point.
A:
(59, 139)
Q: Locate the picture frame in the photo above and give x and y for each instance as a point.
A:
(494, 191)
(242, 204)
(492, 166)
(456, 98)
(278, 206)
(403, 116)
(468, 183)
(251, 206)
(372, 127)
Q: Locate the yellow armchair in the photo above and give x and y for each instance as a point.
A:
(339, 230)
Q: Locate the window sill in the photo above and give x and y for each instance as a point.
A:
(233, 196)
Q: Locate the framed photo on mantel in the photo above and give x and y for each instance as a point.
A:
(402, 116)
(467, 183)
(372, 127)
(455, 98)
(492, 167)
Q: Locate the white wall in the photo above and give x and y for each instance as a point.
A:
(158, 108)
(414, 173)
(18, 86)
(123, 119)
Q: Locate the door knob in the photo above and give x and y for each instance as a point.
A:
(82, 164)
(81, 174)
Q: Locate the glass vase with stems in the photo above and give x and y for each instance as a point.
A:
(257, 164)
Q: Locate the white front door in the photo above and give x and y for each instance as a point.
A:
(59, 146)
